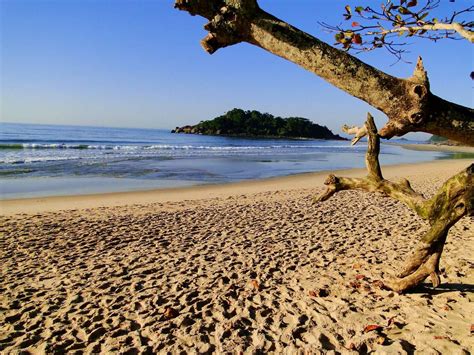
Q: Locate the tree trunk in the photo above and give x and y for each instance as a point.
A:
(453, 200)
(408, 103)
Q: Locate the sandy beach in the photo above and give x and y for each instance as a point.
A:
(251, 267)
(439, 148)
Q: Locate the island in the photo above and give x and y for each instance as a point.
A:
(238, 122)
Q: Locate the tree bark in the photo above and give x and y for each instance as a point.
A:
(453, 200)
(454, 26)
(408, 103)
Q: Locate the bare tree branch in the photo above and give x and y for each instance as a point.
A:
(408, 103)
(454, 200)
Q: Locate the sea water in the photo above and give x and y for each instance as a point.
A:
(44, 160)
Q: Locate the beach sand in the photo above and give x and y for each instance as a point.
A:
(254, 267)
(439, 148)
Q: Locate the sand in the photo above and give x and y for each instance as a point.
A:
(439, 148)
(254, 267)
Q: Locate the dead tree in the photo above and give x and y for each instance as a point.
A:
(408, 103)
(452, 201)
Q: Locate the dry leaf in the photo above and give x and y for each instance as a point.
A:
(360, 277)
(255, 284)
(356, 266)
(472, 328)
(372, 327)
(391, 321)
(354, 284)
(441, 337)
(319, 293)
(170, 312)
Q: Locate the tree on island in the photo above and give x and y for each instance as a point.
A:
(408, 103)
(238, 122)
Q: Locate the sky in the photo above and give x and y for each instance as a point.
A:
(138, 63)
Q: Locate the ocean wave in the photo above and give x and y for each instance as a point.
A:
(19, 146)
(16, 160)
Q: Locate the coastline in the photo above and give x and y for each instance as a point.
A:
(436, 148)
(206, 191)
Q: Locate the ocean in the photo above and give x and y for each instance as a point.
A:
(46, 160)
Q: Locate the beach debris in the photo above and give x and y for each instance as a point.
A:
(355, 284)
(472, 328)
(372, 327)
(322, 292)
(170, 312)
(255, 284)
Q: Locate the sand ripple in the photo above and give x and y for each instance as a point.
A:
(270, 272)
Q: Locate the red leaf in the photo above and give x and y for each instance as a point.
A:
(357, 39)
(372, 327)
(360, 277)
(472, 328)
(354, 284)
(355, 24)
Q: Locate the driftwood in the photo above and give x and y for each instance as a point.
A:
(454, 200)
(408, 103)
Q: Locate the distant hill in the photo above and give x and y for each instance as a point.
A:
(238, 122)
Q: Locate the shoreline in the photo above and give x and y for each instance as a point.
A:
(253, 267)
(436, 148)
(314, 180)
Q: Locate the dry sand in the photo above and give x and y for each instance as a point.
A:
(439, 148)
(252, 267)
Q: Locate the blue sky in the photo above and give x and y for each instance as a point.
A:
(138, 63)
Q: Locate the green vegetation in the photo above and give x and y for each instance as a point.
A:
(238, 122)
(436, 139)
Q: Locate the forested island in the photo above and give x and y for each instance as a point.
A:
(238, 122)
